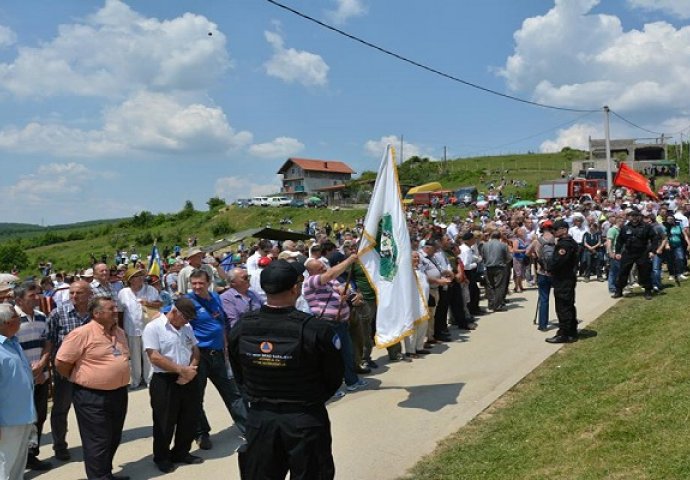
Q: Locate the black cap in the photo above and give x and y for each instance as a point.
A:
(186, 307)
(560, 224)
(634, 212)
(280, 275)
(468, 236)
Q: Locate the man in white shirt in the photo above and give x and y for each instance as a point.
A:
(135, 302)
(577, 231)
(172, 350)
(264, 248)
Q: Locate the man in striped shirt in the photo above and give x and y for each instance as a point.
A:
(33, 338)
(61, 322)
(327, 300)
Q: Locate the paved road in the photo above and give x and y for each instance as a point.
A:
(381, 432)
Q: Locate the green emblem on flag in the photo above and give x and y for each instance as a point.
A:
(387, 248)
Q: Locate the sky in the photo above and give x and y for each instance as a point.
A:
(111, 107)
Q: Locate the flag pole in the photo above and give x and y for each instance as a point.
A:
(607, 134)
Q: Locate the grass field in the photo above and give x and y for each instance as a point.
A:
(614, 406)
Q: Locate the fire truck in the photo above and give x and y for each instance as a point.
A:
(575, 188)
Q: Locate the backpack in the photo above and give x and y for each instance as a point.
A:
(547, 249)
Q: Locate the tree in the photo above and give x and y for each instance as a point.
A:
(215, 203)
(12, 255)
(187, 211)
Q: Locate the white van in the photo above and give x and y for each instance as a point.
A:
(279, 201)
(260, 201)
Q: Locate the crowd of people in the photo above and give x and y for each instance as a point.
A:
(91, 337)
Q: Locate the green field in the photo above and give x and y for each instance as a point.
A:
(614, 406)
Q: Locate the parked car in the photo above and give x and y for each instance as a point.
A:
(297, 203)
(315, 202)
(242, 202)
(278, 201)
(259, 201)
(466, 195)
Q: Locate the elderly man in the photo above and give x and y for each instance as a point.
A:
(239, 299)
(327, 300)
(194, 259)
(209, 329)
(61, 322)
(17, 411)
(100, 286)
(171, 346)
(95, 358)
(133, 302)
(33, 338)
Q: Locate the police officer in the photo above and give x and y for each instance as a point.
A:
(563, 269)
(289, 364)
(635, 245)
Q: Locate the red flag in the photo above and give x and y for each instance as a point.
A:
(627, 177)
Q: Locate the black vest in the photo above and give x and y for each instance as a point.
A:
(279, 358)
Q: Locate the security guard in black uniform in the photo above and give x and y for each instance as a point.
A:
(635, 245)
(563, 268)
(288, 364)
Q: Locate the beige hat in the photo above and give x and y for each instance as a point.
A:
(87, 273)
(131, 272)
(194, 251)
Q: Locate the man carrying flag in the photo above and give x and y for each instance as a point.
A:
(386, 257)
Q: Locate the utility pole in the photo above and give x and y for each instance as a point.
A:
(445, 160)
(609, 173)
(401, 148)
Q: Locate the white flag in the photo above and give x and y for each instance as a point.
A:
(386, 256)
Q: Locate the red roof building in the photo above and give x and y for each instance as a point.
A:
(305, 176)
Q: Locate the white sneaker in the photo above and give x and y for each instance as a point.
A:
(338, 394)
(682, 277)
(357, 386)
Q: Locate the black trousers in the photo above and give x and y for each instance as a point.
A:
(101, 416)
(62, 401)
(473, 304)
(456, 304)
(41, 404)
(212, 367)
(644, 271)
(564, 299)
(441, 315)
(292, 439)
(175, 408)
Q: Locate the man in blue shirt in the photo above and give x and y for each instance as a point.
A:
(209, 330)
(17, 411)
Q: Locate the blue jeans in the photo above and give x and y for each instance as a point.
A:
(614, 268)
(657, 260)
(544, 285)
(341, 328)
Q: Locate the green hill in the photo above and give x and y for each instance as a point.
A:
(71, 246)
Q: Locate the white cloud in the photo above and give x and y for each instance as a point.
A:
(116, 51)
(574, 58)
(53, 185)
(7, 36)
(375, 148)
(576, 136)
(679, 8)
(145, 122)
(281, 147)
(291, 65)
(347, 9)
(235, 187)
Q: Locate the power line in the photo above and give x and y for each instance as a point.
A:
(636, 125)
(426, 67)
(533, 135)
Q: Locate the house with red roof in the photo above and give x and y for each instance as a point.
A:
(303, 177)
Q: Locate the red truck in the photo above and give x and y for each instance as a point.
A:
(574, 188)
